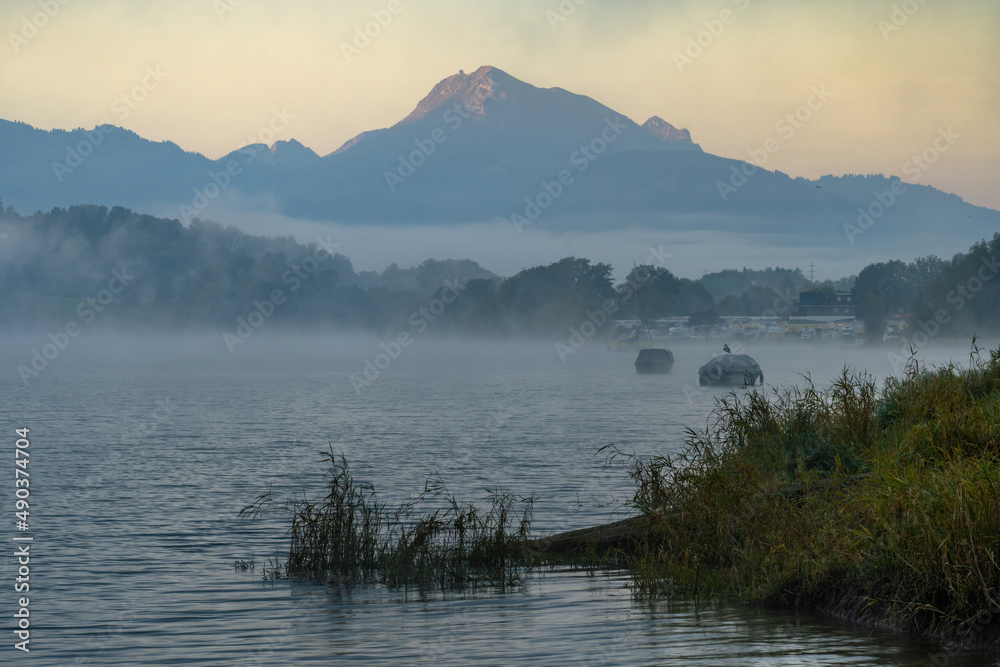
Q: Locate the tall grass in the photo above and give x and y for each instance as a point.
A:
(880, 505)
(431, 540)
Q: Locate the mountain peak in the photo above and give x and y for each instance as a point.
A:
(663, 130)
(474, 89)
(292, 153)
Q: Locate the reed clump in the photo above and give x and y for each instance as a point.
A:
(429, 541)
(879, 505)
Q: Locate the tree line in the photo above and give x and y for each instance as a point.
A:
(207, 275)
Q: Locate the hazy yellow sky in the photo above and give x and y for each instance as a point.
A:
(897, 71)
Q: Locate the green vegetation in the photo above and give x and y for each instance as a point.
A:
(663, 294)
(898, 283)
(881, 506)
(732, 282)
(206, 275)
(967, 288)
(352, 537)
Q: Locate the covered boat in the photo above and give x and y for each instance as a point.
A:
(729, 369)
(654, 360)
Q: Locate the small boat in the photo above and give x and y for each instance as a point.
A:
(654, 360)
(731, 369)
(651, 359)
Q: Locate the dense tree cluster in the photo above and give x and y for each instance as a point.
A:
(733, 282)
(665, 295)
(963, 295)
(208, 275)
(199, 275)
(892, 288)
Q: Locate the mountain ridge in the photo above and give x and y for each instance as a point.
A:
(477, 147)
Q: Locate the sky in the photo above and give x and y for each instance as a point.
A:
(870, 84)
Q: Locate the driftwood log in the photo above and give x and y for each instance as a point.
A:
(622, 536)
(617, 536)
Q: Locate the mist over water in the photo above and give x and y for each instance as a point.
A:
(695, 243)
(145, 448)
(272, 348)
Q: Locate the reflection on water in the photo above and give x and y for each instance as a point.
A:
(572, 618)
(143, 454)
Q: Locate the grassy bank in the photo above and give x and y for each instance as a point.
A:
(877, 504)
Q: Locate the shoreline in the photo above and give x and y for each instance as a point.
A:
(877, 506)
(618, 542)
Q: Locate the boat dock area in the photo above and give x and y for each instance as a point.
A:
(798, 328)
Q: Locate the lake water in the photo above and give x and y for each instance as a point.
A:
(143, 452)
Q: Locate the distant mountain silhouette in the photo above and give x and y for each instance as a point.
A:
(482, 147)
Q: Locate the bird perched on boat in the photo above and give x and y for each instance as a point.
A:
(725, 348)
